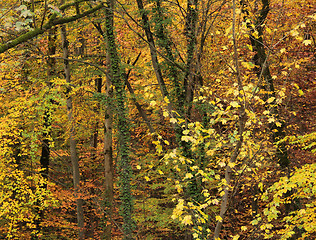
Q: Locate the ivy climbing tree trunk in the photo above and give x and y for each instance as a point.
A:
(152, 47)
(121, 112)
(72, 141)
(165, 43)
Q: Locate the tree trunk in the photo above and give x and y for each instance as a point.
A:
(108, 157)
(263, 72)
(241, 127)
(124, 166)
(72, 141)
(152, 47)
(45, 152)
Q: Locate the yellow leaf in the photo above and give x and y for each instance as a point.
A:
(307, 42)
(210, 152)
(188, 176)
(268, 30)
(185, 138)
(138, 167)
(300, 92)
(187, 220)
(165, 114)
(222, 164)
(294, 33)
(186, 132)
(234, 104)
(173, 120)
(231, 164)
(271, 120)
(236, 237)
(270, 100)
(166, 100)
(313, 16)
(278, 124)
(243, 228)
(219, 218)
(215, 202)
(266, 112)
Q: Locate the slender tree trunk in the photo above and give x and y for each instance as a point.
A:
(263, 72)
(189, 79)
(124, 166)
(45, 151)
(152, 47)
(51, 63)
(138, 106)
(166, 44)
(108, 157)
(72, 141)
(241, 128)
(95, 133)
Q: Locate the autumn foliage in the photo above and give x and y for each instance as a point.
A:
(154, 119)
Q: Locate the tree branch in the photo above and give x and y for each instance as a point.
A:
(51, 23)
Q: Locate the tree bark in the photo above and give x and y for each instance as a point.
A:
(263, 72)
(45, 151)
(49, 25)
(108, 154)
(124, 166)
(241, 128)
(108, 164)
(72, 141)
(153, 50)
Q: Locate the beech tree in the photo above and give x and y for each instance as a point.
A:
(157, 119)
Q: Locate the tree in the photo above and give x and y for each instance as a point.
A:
(157, 119)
